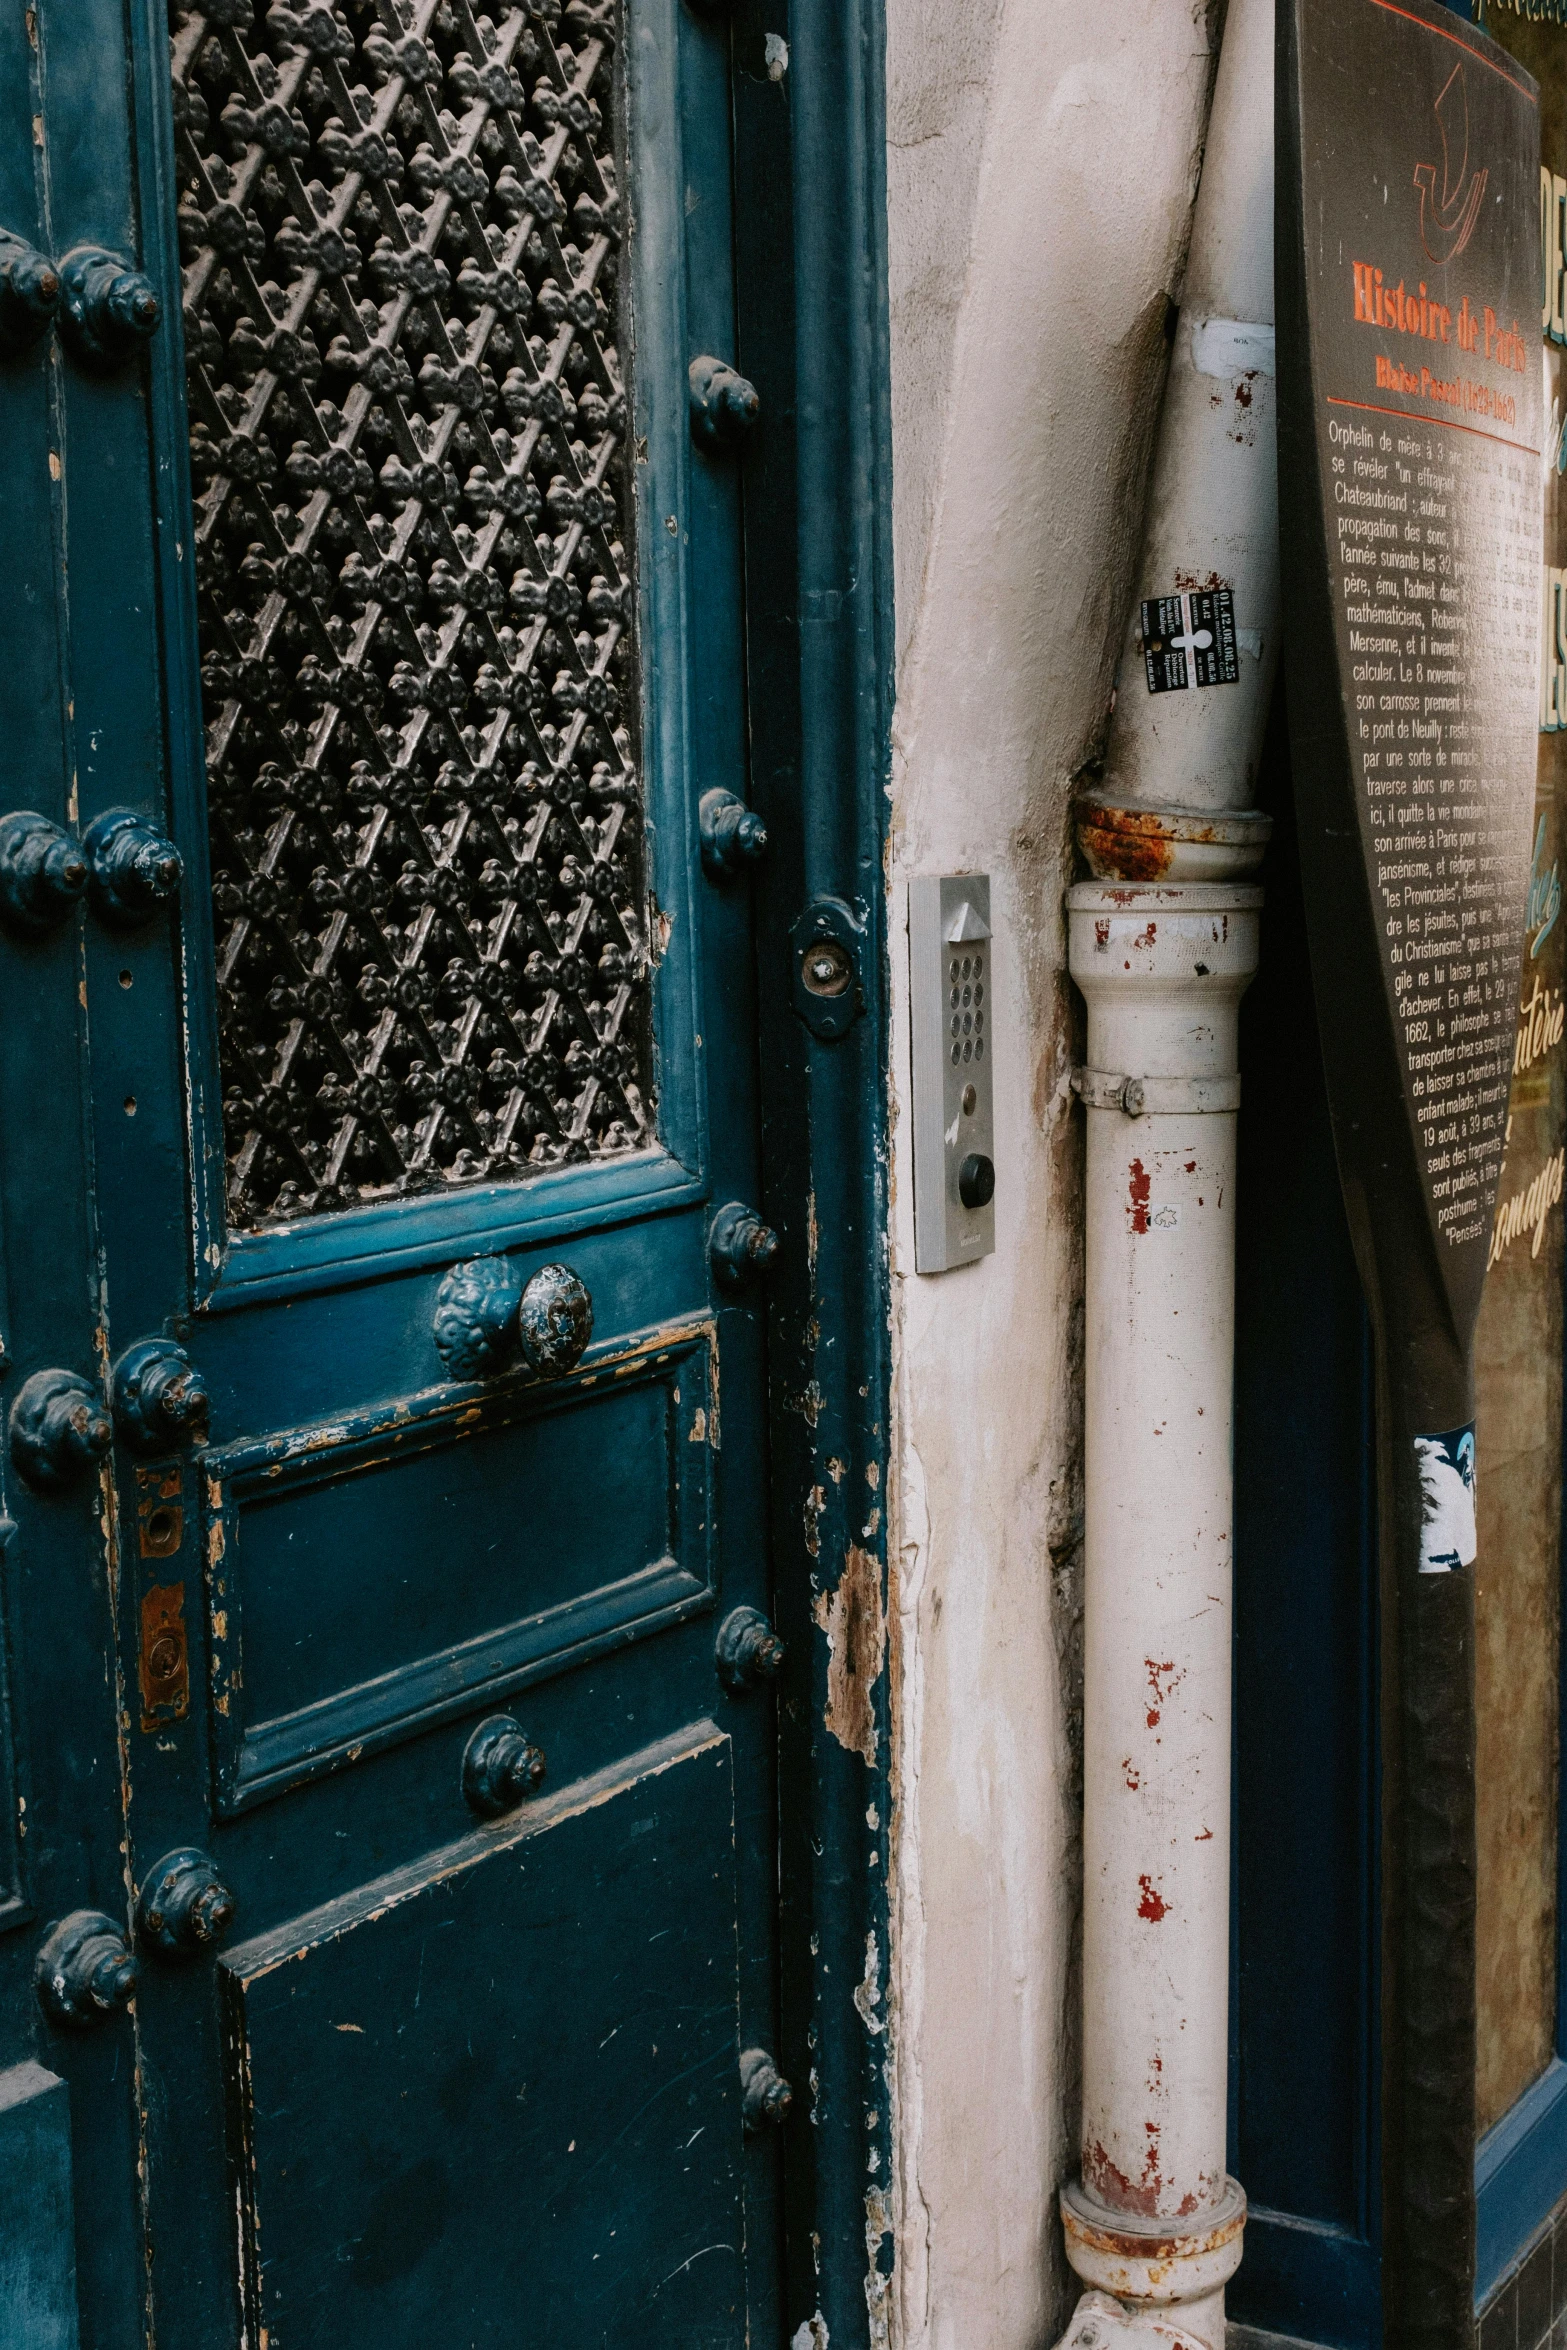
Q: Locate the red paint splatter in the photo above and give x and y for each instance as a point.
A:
(1205, 1838)
(1145, 937)
(1152, 1906)
(1191, 1166)
(1133, 1781)
(1101, 934)
(1162, 1680)
(1137, 1196)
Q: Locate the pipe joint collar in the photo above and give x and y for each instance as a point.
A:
(1171, 844)
(1153, 2261)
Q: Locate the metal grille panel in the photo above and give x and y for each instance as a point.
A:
(402, 234)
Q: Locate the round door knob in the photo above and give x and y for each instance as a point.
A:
(185, 1907)
(84, 1970)
(42, 872)
(554, 1321)
(160, 1398)
(733, 835)
(475, 1316)
(501, 1767)
(747, 1650)
(29, 294)
(724, 406)
(977, 1181)
(59, 1429)
(107, 309)
(135, 870)
(765, 2096)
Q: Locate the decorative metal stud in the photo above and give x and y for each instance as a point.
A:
(185, 1907)
(135, 870)
(29, 294)
(740, 1246)
(724, 405)
(84, 1971)
(42, 872)
(500, 1767)
(554, 1321)
(59, 1429)
(107, 309)
(765, 2096)
(747, 1651)
(733, 835)
(160, 1398)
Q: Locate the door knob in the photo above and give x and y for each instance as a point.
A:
(134, 869)
(84, 1970)
(29, 294)
(107, 309)
(747, 1650)
(185, 1907)
(724, 406)
(733, 835)
(554, 1321)
(59, 1429)
(500, 1767)
(739, 1245)
(475, 1316)
(160, 1398)
(42, 872)
(483, 1314)
(765, 2096)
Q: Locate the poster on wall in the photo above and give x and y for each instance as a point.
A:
(1410, 429)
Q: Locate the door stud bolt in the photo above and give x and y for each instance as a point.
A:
(59, 1429)
(185, 1907)
(84, 1970)
(501, 1767)
(747, 1650)
(733, 835)
(107, 310)
(42, 872)
(765, 2095)
(160, 1398)
(724, 406)
(740, 1246)
(135, 870)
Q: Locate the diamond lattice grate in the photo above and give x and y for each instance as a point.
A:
(403, 238)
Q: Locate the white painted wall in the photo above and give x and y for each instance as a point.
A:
(1042, 158)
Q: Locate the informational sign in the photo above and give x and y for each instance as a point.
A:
(1408, 266)
(1420, 157)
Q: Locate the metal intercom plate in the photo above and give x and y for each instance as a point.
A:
(952, 1007)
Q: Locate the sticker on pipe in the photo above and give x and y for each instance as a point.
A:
(1447, 1500)
(1189, 640)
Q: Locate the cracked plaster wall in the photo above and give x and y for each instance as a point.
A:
(1042, 158)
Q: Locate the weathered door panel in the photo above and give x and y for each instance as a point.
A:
(443, 980)
(555, 2006)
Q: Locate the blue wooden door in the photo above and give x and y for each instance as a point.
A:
(381, 1078)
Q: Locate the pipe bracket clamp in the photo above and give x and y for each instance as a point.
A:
(1151, 1097)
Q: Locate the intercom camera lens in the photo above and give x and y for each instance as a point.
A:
(977, 1181)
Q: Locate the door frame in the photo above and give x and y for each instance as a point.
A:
(808, 109)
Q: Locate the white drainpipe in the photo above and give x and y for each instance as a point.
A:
(1163, 945)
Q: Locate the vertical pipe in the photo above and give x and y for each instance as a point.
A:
(1163, 943)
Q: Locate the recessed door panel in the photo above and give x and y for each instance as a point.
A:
(439, 2081)
(373, 1576)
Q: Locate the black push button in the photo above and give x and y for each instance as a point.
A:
(977, 1181)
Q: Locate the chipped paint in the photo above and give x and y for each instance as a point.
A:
(867, 1992)
(854, 1621)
